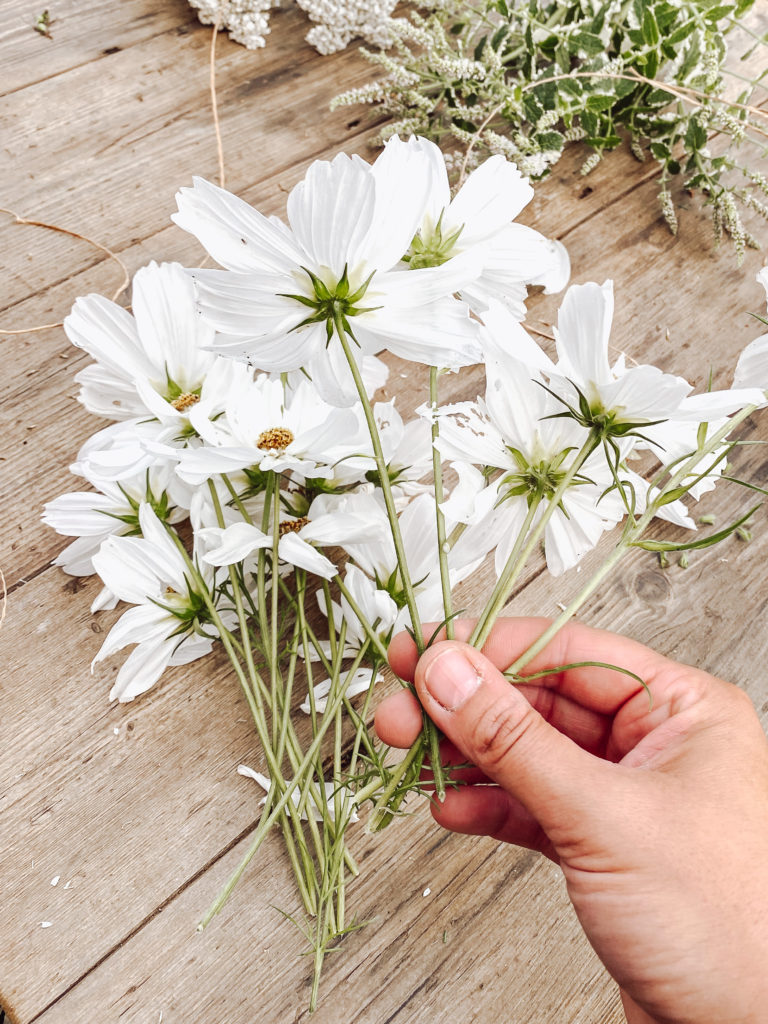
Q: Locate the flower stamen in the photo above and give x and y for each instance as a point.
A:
(292, 525)
(275, 439)
(184, 401)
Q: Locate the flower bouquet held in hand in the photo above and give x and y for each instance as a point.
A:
(251, 492)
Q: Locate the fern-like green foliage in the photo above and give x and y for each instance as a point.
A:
(526, 78)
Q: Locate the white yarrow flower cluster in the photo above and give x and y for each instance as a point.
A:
(336, 23)
(247, 21)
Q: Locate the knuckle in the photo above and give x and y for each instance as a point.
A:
(498, 731)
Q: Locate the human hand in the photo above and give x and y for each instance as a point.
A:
(657, 815)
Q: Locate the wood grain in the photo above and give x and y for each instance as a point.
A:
(139, 806)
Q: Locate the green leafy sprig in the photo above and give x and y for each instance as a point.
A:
(526, 78)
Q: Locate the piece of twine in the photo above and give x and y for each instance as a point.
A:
(126, 280)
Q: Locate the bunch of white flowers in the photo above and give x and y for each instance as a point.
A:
(249, 474)
(336, 23)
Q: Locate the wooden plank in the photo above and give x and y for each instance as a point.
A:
(463, 952)
(133, 817)
(80, 33)
(142, 127)
(101, 809)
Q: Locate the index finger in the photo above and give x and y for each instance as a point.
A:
(603, 690)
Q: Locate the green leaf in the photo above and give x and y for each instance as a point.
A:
(695, 136)
(600, 101)
(650, 28)
(550, 141)
(556, 669)
(704, 542)
(480, 47)
(589, 43)
(466, 126)
(572, 86)
(622, 87)
(499, 36)
(718, 12)
(681, 33)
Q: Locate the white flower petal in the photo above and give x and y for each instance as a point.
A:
(330, 212)
(583, 329)
(752, 367)
(171, 332)
(108, 333)
(360, 681)
(409, 177)
(233, 544)
(293, 549)
(714, 405)
(493, 194)
(142, 669)
(237, 236)
(503, 336)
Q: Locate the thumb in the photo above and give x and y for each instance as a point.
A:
(496, 728)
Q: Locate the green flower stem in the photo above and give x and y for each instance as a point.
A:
(262, 730)
(306, 877)
(370, 633)
(520, 556)
(381, 809)
(261, 570)
(268, 820)
(330, 619)
(304, 872)
(361, 730)
(386, 487)
(273, 659)
(437, 473)
(630, 536)
(430, 734)
(509, 573)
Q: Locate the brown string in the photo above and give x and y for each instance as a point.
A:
(215, 105)
(73, 234)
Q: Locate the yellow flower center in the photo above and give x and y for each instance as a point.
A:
(274, 439)
(292, 525)
(184, 401)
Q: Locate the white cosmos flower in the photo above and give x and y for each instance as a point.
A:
(615, 394)
(407, 450)
(111, 509)
(478, 220)
(349, 227)
(509, 431)
(264, 426)
(358, 682)
(377, 606)
(152, 362)
(616, 397)
(297, 539)
(169, 624)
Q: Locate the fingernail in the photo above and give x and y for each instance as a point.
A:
(451, 678)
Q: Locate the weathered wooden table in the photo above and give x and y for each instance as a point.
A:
(137, 809)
